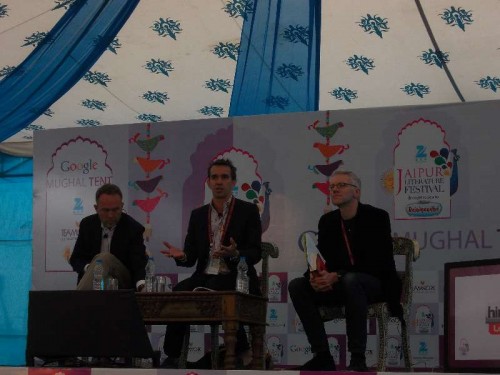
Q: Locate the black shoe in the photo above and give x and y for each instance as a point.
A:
(358, 364)
(320, 362)
(170, 362)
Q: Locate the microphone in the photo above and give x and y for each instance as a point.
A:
(106, 242)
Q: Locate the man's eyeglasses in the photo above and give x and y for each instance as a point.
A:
(113, 210)
(341, 185)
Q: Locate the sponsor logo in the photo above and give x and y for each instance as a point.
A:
(78, 206)
(79, 166)
(424, 320)
(424, 288)
(493, 320)
(463, 347)
(424, 209)
(275, 349)
(423, 348)
(300, 349)
(274, 318)
(274, 288)
(394, 352)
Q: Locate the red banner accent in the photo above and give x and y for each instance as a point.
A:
(494, 328)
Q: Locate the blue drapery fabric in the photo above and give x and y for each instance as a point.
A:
(278, 62)
(59, 61)
(16, 202)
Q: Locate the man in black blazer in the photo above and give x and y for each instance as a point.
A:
(356, 243)
(115, 238)
(218, 234)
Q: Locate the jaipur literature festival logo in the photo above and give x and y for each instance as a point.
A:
(276, 349)
(394, 352)
(277, 287)
(463, 347)
(424, 320)
(334, 345)
(425, 172)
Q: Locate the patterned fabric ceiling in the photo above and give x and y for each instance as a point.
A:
(177, 59)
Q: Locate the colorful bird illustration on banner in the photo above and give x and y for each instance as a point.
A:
(324, 187)
(149, 184)
(149, 204)
(150, 165)
(326, 169)
(326, 131)
(327, 151)
(148, 144)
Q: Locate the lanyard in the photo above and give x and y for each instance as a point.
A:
(228, 214)
(347, 244)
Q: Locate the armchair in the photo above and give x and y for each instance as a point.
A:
(411, 251)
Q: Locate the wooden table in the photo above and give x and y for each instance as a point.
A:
(230, 308)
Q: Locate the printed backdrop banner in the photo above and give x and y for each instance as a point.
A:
(432, 168)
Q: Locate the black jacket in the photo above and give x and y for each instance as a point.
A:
(127, 245)
(244, 227)
(371, 245)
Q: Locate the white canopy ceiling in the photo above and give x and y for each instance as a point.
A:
(372, 53)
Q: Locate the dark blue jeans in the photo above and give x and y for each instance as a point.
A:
(355, 291)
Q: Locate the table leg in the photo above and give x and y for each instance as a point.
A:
(230, 329)
(257, 332)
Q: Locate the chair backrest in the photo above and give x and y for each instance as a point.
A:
(269, 249)
(411, 251)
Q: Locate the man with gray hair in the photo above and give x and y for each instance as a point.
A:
(356, 243)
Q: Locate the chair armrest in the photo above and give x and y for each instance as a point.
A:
(416, 250)
(268, 249)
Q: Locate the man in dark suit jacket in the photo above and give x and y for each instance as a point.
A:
(115, 238)
(218, 234)
(356, 243)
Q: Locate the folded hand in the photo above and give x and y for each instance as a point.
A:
(322, 281)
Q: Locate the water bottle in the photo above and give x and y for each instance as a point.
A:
(150, 274)
(242, 281)
(98, 283)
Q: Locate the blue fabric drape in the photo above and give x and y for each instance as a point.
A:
(13, 167)
(278, 63)
(59, 61)
(16, 207)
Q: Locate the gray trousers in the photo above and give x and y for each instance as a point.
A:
(355, 291)
(112, 268)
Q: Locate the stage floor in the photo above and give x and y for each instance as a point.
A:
(140, 371)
